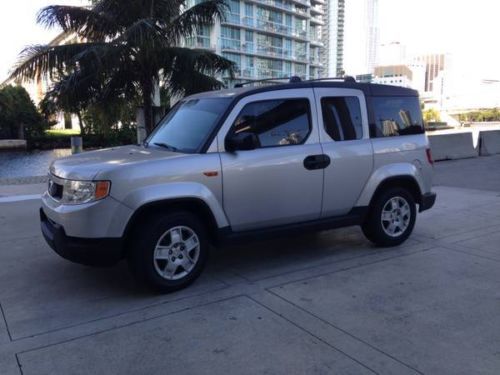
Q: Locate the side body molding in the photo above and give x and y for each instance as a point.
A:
(385, 172)
(177, 190)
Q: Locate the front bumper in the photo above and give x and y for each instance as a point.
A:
(427, 201)
(88, 251)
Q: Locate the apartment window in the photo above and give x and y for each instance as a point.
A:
(342, 118)
(236, 58)
(234, 6)
(248, 10)
(276, 122)
(300, 70)
(249, 36)
(396, 116)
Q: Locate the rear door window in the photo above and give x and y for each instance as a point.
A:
(396, 116)
(342, 118)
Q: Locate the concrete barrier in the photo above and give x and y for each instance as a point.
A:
(452, 146)
(489, 142)
(12, 144)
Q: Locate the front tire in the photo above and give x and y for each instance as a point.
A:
(391, 218)
(168, 251)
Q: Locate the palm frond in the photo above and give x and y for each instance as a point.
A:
(199, 60)
(83, 21)
(181, 84)
(38, 61)
(194, 18)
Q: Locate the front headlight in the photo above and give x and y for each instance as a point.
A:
(77, 192)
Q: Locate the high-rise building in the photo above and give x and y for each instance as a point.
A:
(268, 38)
(333, 37)
(434, 64)
(372, 32)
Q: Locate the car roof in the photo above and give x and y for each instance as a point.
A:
(369, 89)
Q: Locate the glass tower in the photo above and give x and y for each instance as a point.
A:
(268, 38)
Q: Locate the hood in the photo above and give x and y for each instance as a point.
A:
(87, 165)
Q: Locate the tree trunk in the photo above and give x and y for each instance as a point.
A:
(147, 92)
(80, 122)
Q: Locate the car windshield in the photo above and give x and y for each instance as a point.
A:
(189, 124)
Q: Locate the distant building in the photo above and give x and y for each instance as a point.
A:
(434, 64)
(397, 75)
(372, 32)
(364, 78)
(333, 38)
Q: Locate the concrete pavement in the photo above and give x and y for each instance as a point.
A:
(324, 303)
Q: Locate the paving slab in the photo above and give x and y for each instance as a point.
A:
(458, 211)
(19, 220)
(478, 173)
(259, 260)
(236, 336)
(42, 292)
(436, 311)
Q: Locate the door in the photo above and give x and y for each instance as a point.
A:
(279, 182)
(344, 136)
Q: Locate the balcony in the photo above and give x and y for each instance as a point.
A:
(317, 20)
(317, 9)
(284, 6)
(199, 41)
(232, 18)
(300, 33)
(261, 73)
(230, 44)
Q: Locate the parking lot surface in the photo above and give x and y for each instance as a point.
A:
(315, 303)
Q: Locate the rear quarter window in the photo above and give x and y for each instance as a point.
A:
(396, 116)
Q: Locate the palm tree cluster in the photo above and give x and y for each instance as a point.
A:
(124, 49)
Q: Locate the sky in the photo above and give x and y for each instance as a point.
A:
(468, 30)
(18, 28)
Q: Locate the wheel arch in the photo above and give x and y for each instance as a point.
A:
(406, 181)
(395, 174)
(193, 205)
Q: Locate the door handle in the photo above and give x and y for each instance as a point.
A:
(313, 162)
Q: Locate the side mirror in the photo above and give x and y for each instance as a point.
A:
(243, 141)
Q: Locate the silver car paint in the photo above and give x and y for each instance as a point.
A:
(399, 156)
(270, 186)
(157, 175)
(103, 218)
(351, 161)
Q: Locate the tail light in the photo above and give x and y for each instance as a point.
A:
(429, 156)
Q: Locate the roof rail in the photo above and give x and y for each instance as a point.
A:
(344, 79)
(292, 79)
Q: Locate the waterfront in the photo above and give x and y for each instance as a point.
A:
(18, 164)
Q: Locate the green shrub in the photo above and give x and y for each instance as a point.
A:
(16, 111)
(91, 141)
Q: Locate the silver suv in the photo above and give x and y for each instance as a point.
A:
(244, 162)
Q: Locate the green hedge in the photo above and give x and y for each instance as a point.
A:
(115, 138)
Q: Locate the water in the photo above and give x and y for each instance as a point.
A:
(14, 164)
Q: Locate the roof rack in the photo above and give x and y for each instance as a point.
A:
(344, 79)
(292, 79)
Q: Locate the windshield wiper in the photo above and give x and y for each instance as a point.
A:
(164, 145)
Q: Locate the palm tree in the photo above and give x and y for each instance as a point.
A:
(128, 48)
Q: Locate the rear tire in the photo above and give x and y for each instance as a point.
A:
(391, 217)
(168, 251)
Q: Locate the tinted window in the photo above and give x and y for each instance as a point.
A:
(397, 116)
(189, 123)
(276, 122)
(342, 118)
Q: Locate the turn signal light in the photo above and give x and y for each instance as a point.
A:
(102, 189)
